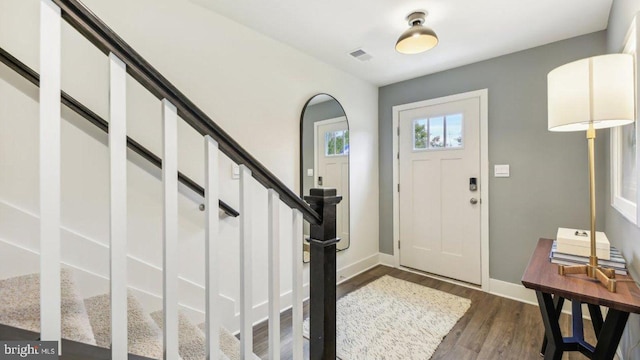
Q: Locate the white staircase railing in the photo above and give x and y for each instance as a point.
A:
(212, 315)
(118, 204)
(124, 60)
(246, 273)
(50, 120)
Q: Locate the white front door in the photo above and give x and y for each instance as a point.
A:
(332, 159)
(439, 158)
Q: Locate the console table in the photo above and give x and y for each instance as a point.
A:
(552, 289)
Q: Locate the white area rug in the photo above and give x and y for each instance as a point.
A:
(394, 319)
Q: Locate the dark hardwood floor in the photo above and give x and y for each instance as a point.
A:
(493, 327)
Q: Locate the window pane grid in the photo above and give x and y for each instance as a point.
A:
(438, 132)
(336, 143)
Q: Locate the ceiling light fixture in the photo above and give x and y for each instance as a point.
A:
(417, 38)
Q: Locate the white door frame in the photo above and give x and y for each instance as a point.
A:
(484, 174)
(316, 125)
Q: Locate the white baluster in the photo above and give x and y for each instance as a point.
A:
(118, 205)
(50, 45)
(211, 249)
(170, 221)
(297, 286)
(246, 299)
(274, 275)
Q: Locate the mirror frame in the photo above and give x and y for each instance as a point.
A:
(301, 155)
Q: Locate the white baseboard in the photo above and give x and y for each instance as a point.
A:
(358, 267)
(512, 291)
(518, 292)
(387, 260)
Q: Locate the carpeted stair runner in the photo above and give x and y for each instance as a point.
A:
(20, 306)
(229, 344)
(89, 320)
(145, 338)
(193, 342)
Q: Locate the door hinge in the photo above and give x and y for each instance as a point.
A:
(398, 244)
(398, 187)
(398, 130)
(398, 156)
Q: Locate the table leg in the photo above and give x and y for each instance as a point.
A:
(576, 320)
(553, 335)
(558, 302)
(596, 318)
(610, 334)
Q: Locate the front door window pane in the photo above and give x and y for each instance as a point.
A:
(336, 143)
(436, 132)
(339, 142)
(454, 131)
(331, 143)
(420, 134)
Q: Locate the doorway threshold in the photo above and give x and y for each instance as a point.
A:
(442, 278)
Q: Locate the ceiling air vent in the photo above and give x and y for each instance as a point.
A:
(361, 55)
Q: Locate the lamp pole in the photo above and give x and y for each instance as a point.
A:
(593, 259)
(592, 270)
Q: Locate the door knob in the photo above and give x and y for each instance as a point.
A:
(473, 201)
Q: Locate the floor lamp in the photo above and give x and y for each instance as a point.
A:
(586, 95)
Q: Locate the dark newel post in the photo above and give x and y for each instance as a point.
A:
(323, 275)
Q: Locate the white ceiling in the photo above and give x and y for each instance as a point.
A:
(469, 30)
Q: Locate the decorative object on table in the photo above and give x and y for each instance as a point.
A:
(589, 94)
(616, 260)
(394, 319)
(577, 242)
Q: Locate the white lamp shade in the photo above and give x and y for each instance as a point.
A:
(598, 90)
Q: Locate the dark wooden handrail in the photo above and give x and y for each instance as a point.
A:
(73, 104)
(105, 39)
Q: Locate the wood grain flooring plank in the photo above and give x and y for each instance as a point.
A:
(498, 343)
(481, 316)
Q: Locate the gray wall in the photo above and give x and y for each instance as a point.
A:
(622, 233)
(548, 187)
(622, 12)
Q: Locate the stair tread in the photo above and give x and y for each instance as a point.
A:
(144, 336)
(229, 344)
(193, 342)
(20, 306)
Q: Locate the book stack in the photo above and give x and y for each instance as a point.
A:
(615, 262)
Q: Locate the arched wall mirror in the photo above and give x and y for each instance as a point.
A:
(324, 158)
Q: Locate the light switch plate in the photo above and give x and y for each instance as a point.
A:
(501, 171)
(309, 172)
